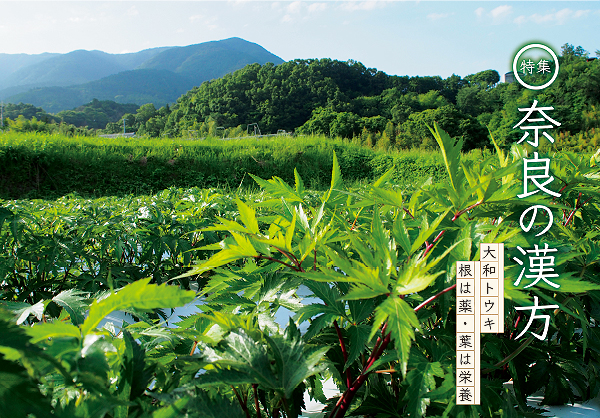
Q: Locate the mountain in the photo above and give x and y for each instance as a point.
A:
(158, 75)
(210, 60)
(75, 67)
(136, 86)
(10, 63)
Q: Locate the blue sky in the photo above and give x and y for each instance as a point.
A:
(398, 37)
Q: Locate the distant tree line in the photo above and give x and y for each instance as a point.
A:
(83, 120)
(349, 100)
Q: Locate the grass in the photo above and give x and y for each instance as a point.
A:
(51, 165)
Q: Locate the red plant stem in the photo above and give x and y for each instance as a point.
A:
(459, 213)
(254, 386)
(409, 214)
(380, 345)
(515, 327)
(575, 210)
(344, 352)
(561, 190)
(290, 257)
(349, 394)
(434, 297)
(428, 246)
(242, 404)
(266, 257)
(346, 399)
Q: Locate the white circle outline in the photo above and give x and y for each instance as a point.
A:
(516, 73)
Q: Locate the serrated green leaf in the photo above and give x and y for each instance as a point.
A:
(358, 336)
(57, 329)
(248, 216)
(74, 303)
(401, 234)
(427, 231)
(295, 361)
(22, 310)
(421, 381)
(401, 323)
(137, 295)
(451, 154)
(243, 354)
(299, 183)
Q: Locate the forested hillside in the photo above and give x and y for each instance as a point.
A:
(372, 108)
(349, 100)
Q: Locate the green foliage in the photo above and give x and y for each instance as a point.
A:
(378, 264)
(96, 114)
(52, 165)
(23, 125)
(13, 111)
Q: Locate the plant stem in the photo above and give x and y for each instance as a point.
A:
(459, 213)
(344, 352)
(292, 258)
(577, 207)
(255, 386)
(266, 257)
(434, 297)
(242, 404)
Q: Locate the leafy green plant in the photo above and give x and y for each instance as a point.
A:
(379, 265)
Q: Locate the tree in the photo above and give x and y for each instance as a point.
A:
(345, 125)
(414, 132)
(568, 52)
(486, 79)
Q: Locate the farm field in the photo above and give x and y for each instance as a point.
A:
(50, 165)
(359, 245)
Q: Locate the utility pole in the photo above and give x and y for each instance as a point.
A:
(123, 126)
(2, 115)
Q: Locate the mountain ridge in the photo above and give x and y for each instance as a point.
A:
(65, 81)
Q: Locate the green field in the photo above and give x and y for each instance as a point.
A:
(49, 166)
(373, 237)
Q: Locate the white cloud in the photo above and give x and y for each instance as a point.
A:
(79, 19)
(581, 13)
(438, 16)
(353, 6)
(520, 20)
(479, 11)
(500, 12)
(286, 19)
(317, 7)
(196, 17)
(559, 18)
(294, 7)
(132, 11)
